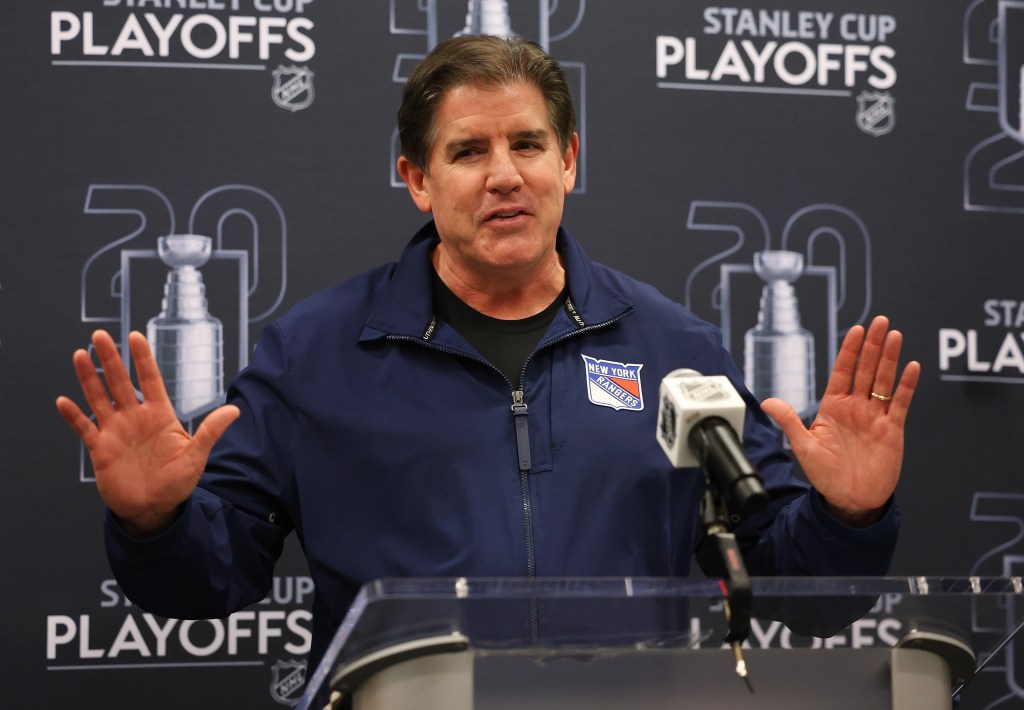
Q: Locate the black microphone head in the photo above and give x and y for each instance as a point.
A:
(749, 495)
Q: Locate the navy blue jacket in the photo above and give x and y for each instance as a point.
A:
(388, 444)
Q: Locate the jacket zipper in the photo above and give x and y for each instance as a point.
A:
(520, 412)
(519, 418)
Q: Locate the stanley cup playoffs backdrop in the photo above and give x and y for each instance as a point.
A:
(876, 149)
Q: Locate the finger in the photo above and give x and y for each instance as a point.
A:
(213, 427)
(841, 379)
(900, 403)
(787, 419)
(114, 370)
(76, 419)
(885, 373)
(150, 381)
(870, 354)
(92, 386)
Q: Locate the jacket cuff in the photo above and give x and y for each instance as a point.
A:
(887, 527)
(121, 545)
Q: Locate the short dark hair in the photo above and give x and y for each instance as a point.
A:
(484, 62)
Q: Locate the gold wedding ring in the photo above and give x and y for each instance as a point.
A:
(881, 397)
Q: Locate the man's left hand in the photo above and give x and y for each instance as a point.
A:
(853, 452)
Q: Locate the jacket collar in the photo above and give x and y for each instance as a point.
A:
(405, 306)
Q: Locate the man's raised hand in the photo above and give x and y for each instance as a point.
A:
(146, 464)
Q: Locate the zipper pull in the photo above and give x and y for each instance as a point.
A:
(519, 412)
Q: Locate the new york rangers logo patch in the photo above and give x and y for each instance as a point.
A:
(614, 384)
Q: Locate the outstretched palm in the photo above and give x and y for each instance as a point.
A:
(853, 452)
(146, 464)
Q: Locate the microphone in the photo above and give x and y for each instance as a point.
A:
(698, 419)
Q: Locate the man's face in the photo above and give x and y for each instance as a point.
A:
(497, 180)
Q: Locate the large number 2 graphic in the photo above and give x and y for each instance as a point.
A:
(826, 234)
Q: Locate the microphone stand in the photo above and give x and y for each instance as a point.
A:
(719, 556)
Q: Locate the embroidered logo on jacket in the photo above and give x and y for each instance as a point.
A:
(614, 384)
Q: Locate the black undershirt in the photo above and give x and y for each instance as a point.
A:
(504, 343)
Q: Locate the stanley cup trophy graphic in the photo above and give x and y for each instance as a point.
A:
(778, 352)
(187, 341)
(487, 17)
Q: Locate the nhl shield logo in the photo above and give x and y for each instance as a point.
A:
(293, 87)
(614, 384)
(288, 679)
(876, 112)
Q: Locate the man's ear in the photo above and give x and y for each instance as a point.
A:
(569, 162)
(415, 179)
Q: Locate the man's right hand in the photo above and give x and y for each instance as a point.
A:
(146, 464)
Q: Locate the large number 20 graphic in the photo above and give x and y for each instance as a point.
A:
(246, 225)
(832, 248)
(827, 235)
(257, 226)
(992, 40)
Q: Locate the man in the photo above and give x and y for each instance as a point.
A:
(432, 417)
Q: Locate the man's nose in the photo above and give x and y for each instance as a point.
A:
(503, 175)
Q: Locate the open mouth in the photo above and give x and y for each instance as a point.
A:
(505, 214)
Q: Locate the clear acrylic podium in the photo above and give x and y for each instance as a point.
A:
(905, 643)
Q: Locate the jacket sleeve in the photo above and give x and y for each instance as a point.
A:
(805, 539)
(219, 555)
(214, 560)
